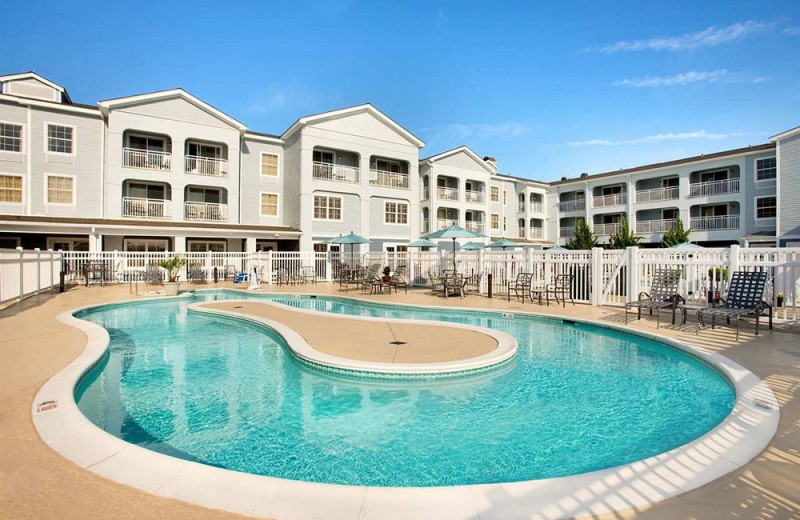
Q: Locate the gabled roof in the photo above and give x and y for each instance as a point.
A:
(108, 104)
(33, 75)
(784, 135)
(343, 112)
(461, 149)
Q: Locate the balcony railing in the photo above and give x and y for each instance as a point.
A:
(717, 223)
(447, 193)
(537, 207)
(474, 225)
(426, 226)
(146, 208)
(537, 232)
(705, 189)
(657, 194)
(607, 229)
(388, 179)
(136, 158)
(655, 226)
(426, 193)
(197, 165)
(475, 196)
(335, 172)
(572, 205)
(208, 211)
(445, 223)
(566, 232)
(520, 207)
(521, 233)
(615, 199)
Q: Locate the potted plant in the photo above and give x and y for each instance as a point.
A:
(173, 267)
(386, 278)
(779, 299)
(720, 275)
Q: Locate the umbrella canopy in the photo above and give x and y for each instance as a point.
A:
(472, 246)
(422, 243)
(454, 232)
(352, 239)
(502, 244)
(557, 248)
(686, 246)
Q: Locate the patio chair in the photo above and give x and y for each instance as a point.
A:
(230, 271)
(153, 275)
(436, 281)
(663, 295)
(473, 284)
(308, 274)
(744, 298)
(454, 284)
(398, 279)
(196, 274)
(282, 276)
(370, 279)
(562, 286)
(521, 286)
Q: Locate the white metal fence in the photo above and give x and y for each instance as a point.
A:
(598, 276)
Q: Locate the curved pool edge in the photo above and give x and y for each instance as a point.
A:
(742, 435)
(300, 348)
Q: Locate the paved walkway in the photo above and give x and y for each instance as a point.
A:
(37, 483)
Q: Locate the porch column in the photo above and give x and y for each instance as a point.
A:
(95, 242)
(179, 244)
(250, 245)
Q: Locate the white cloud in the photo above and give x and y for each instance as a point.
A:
(710, 37)
(462, 132)
(792, 31)
(685, 78)
(658, 138)
(280, 96)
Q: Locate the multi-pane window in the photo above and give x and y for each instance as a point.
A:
(505, 197)
(766, 169)
(327, 208)
(766, 207)
(495, 194)
(60, 189)
(269, 204)
(269, 164)
(396, 213)
(10, 137)
(495, 221)
(505, 224)
(59, 138)
(10, 188)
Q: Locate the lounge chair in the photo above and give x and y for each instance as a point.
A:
(562, 286)
(663, 295)
(398, 279)
(521, 286)
(744, 298)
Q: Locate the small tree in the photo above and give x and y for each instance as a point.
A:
(172, 266)
(676, 235)
(623, 237)
(584, 237)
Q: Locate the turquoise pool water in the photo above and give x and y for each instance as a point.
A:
(224, 392)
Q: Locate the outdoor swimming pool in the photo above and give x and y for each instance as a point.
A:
(228, 393)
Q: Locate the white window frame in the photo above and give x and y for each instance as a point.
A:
(505, 197)
(492, 194)
(22, 194)
(388, 162)
(491, 221)
(396, 212)
(505, 224)
(46, 139)
(277, 165)
(47, 189)
(327, 209)
(166, 141)
(764, 220)
(192, 241)
(71, 240)
(146, 241)
(21, 137)
(277, 204)
(755, 171)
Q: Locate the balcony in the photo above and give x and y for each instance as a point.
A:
(655, 226)
(443, 193)
(474, 225)
(197, 165)
(520, 207)
(388, 179)
(707, 189)
(537, 232)
(206, 211)
(657, 194)
(615, 199)
(426, 193)
(146, 160)
(572, 205)
(426, 226)
(335, 172)
(146, 208)
(566, 232)
(717, 223)
(445, 223)
(606, 229)
(478, 197)
(537, 207)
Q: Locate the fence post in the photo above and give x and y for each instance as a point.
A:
(733, 260)
(21, 274)
(52, 282)
(328, 266)
(38, 269)
(411, 265)
(481, 272)
(117, 266)
(269, 266)
(597, 277)
(633, 273)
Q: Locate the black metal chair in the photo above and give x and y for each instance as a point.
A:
(744, 298)
(196, 274)
(521, 286)
(663, 295)
(561, 286)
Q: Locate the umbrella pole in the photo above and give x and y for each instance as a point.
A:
(454, 255)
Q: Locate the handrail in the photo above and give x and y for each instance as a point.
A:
(146, 159)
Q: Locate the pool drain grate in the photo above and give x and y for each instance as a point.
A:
(397, 343)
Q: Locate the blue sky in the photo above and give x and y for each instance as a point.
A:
(549, 89)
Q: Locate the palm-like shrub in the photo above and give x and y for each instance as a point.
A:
(172, 266)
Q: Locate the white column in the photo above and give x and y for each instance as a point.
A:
(179, 244)
(633, 273)
(95, 242)
(250, 244)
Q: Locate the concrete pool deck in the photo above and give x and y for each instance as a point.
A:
(35, 482)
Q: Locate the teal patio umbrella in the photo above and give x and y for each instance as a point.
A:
(473, 246)
(422, 243)
(503, 243)
(454, 232)
(686, 246)
(352, 239)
